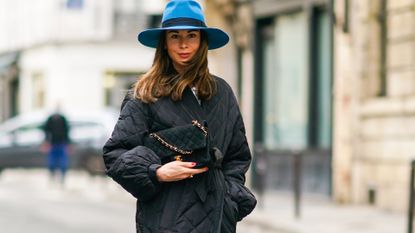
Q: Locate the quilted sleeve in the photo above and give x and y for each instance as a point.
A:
(128, 162)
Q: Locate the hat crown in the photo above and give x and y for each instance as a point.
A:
(183, 9)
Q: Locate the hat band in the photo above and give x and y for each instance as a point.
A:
(183, 22)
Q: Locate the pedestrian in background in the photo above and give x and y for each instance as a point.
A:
(174, 195)
(56, 129)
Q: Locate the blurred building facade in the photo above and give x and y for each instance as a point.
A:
(374, 101)
(80, 54)
(333, 81)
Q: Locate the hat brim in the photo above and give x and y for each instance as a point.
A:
(216, 37)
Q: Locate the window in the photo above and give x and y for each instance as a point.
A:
(346, 16)
(285, 83)
(154, 21)
(38, 90)
(128, 18)
(383, 47)
(116, 85)
(320, 83)
(74, 4)
(295, 85)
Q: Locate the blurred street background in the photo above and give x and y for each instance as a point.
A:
(326, 89)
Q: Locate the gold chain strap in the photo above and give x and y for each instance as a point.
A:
(200, 126)
(171, 147)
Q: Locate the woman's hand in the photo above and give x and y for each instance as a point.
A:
(178, 170)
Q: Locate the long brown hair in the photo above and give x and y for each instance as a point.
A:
(163, 80)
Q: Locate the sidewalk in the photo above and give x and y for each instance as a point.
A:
(320, 215)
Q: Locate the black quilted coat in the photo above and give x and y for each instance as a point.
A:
(209, 202)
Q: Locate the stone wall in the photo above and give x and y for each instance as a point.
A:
(374, 135)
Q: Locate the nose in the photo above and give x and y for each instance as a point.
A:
(183, 43)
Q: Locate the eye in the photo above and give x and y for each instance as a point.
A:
(174, 36)
(192, 35)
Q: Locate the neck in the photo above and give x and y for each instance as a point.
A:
(179, 69)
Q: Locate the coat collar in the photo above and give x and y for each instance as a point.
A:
(191, 107)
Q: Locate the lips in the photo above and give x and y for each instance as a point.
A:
(184, 55)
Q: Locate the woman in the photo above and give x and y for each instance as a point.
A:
(175, 196)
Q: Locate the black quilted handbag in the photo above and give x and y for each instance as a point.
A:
(188, 143)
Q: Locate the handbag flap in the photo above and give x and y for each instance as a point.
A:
(177, 140)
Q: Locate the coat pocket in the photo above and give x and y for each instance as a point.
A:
(244, 198)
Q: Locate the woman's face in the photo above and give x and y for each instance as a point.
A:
(181, 46)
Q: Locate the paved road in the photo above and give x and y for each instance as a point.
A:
(29, 201)
(248, 227)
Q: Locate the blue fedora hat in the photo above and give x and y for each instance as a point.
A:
(183, 15)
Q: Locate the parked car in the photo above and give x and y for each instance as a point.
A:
(22, 136)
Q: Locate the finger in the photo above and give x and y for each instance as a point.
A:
(188, 164)
(195, 171)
